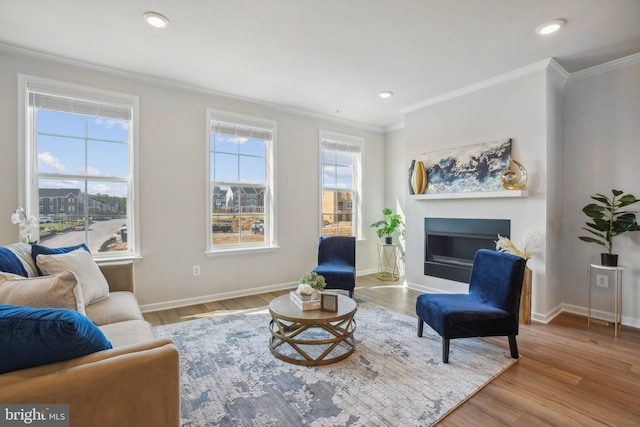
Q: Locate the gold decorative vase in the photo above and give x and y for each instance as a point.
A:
(512, 180)
(419, 178)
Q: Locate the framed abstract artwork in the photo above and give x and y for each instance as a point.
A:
(469, 168)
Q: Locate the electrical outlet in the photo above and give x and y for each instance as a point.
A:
(196, 270)
(602, 281)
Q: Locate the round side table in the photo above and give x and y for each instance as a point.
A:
(388, 269)
(617, 305)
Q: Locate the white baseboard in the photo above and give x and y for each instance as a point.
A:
(146, 308)
(549, 316)
(425, 289)
(601, 315)
(366, 272)
(536, 317)
(215, 297)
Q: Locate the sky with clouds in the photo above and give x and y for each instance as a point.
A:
(74, 144)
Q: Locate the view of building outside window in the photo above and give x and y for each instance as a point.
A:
(340, 181)
(82, 176)
(337, 215)
(240, 184)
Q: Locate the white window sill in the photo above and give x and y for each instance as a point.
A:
(241, 251)
(109, 260)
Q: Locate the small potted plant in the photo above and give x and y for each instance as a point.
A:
(609, 221)
(388, 225)
(310, 285)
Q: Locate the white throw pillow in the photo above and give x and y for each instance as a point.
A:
(94, 285)
(57, 291)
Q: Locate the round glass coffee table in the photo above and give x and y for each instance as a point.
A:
(314, 337)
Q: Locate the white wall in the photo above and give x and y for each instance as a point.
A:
(396, 181)
(553, 256)
(172, 184)
(514, 108)
(576, 135)
(601, 151)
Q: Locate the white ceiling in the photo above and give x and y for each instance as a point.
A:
(330, 57)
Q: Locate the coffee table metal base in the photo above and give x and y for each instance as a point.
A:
(341, 340)
(312, 338)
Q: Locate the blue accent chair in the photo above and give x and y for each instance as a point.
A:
(490, 308)
(337, 262)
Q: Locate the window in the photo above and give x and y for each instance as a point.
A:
(79, 161)
(341, 181)
(241, 194)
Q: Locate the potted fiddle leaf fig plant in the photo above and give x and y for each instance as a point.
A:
(608, 220)
(387, 226)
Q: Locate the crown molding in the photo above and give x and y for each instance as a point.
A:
(393, 128)
(550, 64)
(558, 70)
(606, 67)
(28, 53)
(511, 75)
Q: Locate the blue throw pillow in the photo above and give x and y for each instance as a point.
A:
(38, 336)
(10, 263)
(45, 250)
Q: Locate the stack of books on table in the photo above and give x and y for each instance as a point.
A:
(304, 302)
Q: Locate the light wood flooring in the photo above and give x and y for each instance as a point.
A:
(568, 374)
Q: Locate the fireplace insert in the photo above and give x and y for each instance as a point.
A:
(452, 243)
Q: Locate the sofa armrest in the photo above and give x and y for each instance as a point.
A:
(137, 385)
(119, 276)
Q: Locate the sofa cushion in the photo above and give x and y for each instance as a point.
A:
(94, 285)
(10, 263)
(36, 336)
(23, 252)
(128, 332)
(45, 250)
(117, 307)
(59, 291)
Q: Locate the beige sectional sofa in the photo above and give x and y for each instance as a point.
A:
(136, 383)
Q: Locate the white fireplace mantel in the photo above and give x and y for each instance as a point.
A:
(471, 195)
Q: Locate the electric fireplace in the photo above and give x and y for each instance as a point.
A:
(450, 244)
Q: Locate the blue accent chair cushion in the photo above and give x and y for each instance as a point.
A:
(10, 263)
(38, 336)
(337, 262)
(491, 308)
(45, 250)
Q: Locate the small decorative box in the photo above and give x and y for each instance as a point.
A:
(304, 301)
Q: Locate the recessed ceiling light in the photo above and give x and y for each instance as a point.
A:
(156, 19)
(550, 27)
(385, 94)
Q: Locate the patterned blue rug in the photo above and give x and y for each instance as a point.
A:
(230, 378)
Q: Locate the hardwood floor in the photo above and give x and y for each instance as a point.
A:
(567, 375)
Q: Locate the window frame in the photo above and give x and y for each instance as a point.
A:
(28, 182)
(358, 178)
(270, 214)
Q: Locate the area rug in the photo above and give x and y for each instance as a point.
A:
(230, 378)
